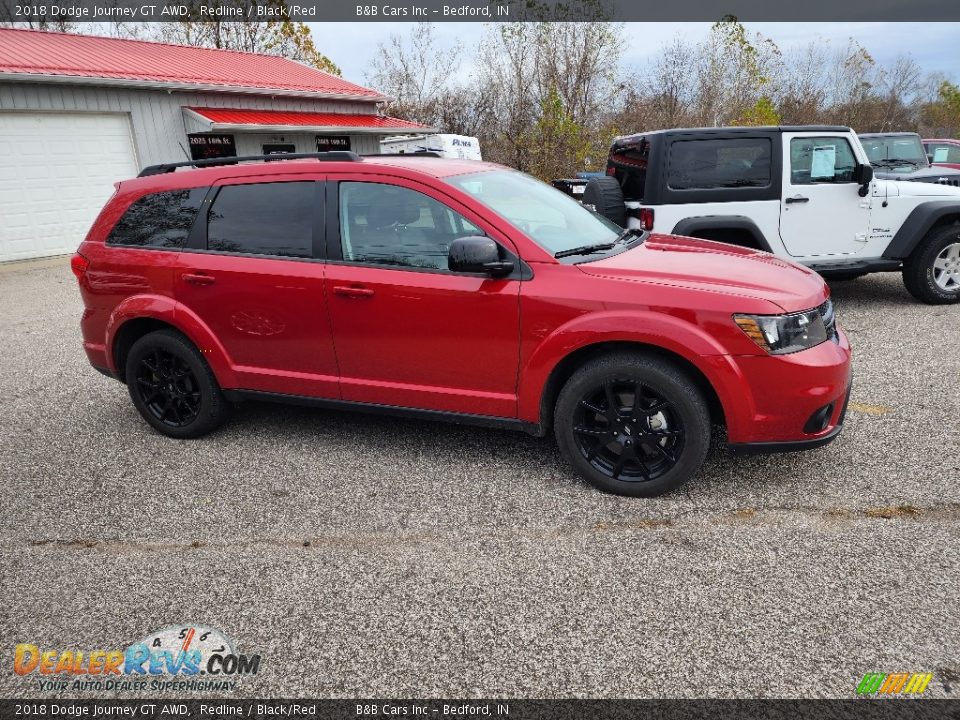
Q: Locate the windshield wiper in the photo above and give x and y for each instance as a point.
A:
(600, 247)
(895, 162)
(627, 234)
(585, 250)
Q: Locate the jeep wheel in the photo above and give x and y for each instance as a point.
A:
(632, 424)
(172, 387)
(606, 196)
(932, 272)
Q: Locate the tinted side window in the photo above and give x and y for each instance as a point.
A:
(388, 225)
(821, 160)
(730, 163)
(263, 219)
(160, 220)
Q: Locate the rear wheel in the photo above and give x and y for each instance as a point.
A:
(932, 272)
(172, 387)
(633, 424)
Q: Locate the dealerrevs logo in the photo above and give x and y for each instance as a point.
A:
(178, 657)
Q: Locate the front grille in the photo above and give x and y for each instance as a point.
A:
(829, 320)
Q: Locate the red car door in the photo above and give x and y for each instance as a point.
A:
(254, 279)
(408, 332)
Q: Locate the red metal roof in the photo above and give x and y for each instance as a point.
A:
(50, 56)
(282, 118)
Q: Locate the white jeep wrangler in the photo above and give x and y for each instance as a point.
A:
(806, 193)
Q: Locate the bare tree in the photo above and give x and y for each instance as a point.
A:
(414, 71)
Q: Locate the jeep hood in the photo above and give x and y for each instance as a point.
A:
(914, 188)
(713, 267)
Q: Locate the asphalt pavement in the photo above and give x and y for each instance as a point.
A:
(370, 556)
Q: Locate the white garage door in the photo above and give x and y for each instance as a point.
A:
(57, 171)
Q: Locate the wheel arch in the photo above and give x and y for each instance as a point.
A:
(919, 223)
(576, 359)
(140, 315)
(723, 228)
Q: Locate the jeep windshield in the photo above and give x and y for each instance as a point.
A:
(557, 222)
(901, 153)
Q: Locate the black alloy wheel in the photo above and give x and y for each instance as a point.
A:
(633, 423)
(172, 386)
(628, 431)
(168, 388)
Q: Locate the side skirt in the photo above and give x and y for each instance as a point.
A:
(534, 429)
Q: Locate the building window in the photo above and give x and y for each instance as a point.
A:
(326, 143)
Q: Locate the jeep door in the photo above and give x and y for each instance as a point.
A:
(408, 331)
(821, 212)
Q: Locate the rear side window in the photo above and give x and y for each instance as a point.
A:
(263, 219)
(159, 220)
(720, 163)
(629, 159)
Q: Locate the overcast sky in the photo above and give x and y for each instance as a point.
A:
(933, 45)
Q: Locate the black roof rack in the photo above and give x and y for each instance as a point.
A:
(332, 155)
(415, 153)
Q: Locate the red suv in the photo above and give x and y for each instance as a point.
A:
(457, 290)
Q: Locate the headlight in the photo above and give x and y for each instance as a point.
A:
(783, 334)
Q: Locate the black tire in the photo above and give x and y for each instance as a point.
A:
(606, 196)
(172, 386)
(919, 269)
(662, 441)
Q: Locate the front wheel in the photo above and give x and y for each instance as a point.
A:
(932, 272)
(633, 424)
(172, 387)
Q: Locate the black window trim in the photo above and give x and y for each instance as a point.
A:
(789, 154)
(715, 188)
(661, 144)
(197, 240)
(157, 248)
(334, 242)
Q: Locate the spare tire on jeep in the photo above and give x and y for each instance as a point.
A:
(606, 196)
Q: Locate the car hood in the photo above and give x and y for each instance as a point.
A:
(908, 173)
(910, 187)
(714, 267)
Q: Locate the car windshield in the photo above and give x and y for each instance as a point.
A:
(895, 150)
(554, 220)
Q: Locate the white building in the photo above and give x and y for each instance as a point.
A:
(79, 113)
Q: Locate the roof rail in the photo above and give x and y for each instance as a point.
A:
(332, 155)
(416, 153)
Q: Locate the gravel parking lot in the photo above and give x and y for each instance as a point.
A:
(369, 556)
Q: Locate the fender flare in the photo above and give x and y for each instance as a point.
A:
(691, 225)
(652, 329)
(917, 225)
(178, 316)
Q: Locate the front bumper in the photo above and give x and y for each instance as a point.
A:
(764, 448)
(788, 402)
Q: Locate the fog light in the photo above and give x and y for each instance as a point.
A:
(819, 420)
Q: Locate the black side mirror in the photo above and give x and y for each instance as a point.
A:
(863, 174)
(477, 255)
